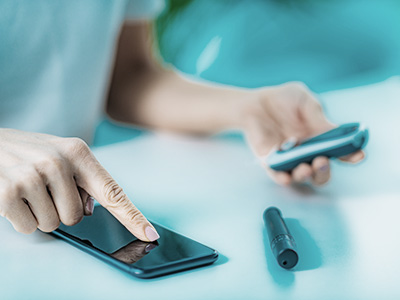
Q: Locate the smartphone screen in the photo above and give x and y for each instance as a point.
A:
(112, 242)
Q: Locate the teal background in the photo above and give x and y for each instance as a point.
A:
(329, 45)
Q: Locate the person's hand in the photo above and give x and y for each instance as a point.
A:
(288, 111)
(46, 179)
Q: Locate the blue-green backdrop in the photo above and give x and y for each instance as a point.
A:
(328, 44)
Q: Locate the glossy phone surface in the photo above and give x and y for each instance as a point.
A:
(104, 237)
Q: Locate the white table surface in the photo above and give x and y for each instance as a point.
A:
(214, 191)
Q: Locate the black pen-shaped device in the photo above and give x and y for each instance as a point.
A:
(282, 243)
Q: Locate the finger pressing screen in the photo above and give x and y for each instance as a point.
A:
(97, 182)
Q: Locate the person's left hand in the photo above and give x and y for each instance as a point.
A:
(283, 112)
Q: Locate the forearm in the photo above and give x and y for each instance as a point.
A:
(162, 99)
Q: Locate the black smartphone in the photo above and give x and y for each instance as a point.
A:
(104, 237)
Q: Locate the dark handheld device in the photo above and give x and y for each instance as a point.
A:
(341, 141)
(102, 236)
(282, 243)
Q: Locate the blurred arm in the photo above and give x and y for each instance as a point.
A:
(146, 94)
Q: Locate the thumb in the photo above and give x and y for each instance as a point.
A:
(93, 178)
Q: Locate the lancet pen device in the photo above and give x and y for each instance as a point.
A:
(340, 141)
(282, 243)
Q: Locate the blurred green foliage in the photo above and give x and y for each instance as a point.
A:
(173, 8)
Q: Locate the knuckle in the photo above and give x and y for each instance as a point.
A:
(51, 226)
(299, 86)
(135, 217)
(51, 164)
(70, 213)
(72, 219)
(313, 103)
(298, 90)
(113, 193)
(71, 216)
(76, 146)
(8, 193)
(317, 106)
(29, 175)
(48, 220)
(26, 229)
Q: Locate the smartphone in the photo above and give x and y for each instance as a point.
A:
(340, 141)
(104, 237)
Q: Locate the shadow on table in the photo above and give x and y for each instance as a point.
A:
(222, 259)
(307, 249)
(309, 254)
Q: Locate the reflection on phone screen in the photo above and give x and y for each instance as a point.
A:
(103, 232)
(134, 251)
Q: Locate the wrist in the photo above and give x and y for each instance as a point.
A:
(229, 108)
(249, 108)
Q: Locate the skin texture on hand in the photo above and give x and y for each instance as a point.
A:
(46, 179)
(288, 112)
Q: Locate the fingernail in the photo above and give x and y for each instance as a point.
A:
(324, 168)
(149, 247)
(151, 234)
(90, 205)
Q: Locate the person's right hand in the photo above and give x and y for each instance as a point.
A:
(46, 179)
(290, 111)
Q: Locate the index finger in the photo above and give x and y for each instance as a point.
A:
(97, 182)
